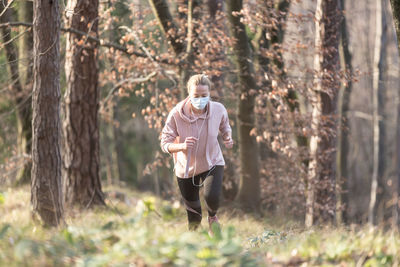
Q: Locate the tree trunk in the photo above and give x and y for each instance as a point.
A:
(24, 118)
(396, 210)
(167, 24)
(22, 88)
(186, 68)
(81, 126)
(273, 68)
(396, 183)
(249, 187)
(170, 29)
(46, 191)
(112, 135)
(213, 7)
(376, 182)
(320, 199)
(343, 127)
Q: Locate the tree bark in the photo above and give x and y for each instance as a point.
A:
(396, 183)
(22, 88)
(46, 191)
(81, 127)
(320, 198)
(376, 182)
(343, 127)
(249, 187)
(396, 210)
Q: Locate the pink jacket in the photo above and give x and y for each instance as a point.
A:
(179, 125)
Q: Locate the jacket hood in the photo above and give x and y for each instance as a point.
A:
(183, 110)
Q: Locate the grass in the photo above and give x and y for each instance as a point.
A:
(141, 230)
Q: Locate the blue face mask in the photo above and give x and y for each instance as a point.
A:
(199, 102)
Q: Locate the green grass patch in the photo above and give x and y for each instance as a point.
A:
(139, 229)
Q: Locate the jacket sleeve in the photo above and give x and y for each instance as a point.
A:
(224, 126)
(168, 133)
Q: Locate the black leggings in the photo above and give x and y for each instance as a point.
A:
(190, 194)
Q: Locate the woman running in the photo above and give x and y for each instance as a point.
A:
(190, 134)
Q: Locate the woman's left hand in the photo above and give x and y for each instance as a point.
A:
(228, 142)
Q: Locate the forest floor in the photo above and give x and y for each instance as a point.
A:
(140, 230)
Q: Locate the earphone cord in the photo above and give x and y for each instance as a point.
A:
(195, 158)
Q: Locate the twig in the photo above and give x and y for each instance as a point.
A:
(128, 80)
(16, 107)
(6, 7)
(13, 39)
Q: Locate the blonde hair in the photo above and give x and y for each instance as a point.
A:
(198, 79)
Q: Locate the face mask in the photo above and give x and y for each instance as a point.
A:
(199, 102)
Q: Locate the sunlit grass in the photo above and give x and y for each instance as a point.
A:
(140, 229)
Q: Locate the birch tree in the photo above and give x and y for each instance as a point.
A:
(377, 120)
(320, 198)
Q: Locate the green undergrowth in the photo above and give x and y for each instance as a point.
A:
(142, 230)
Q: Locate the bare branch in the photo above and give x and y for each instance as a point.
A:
(101, 42)
(143, 47)
(6, 7)
(22, 102)
(128, 80)
(13, 39)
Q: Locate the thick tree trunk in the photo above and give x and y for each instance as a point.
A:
(22, 88)
(320, 199)
(249, 188)
(46, 191)
(81, 126)
(343, 125)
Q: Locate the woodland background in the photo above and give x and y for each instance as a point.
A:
(311, 88)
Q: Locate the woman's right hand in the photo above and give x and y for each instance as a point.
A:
(189, 143)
